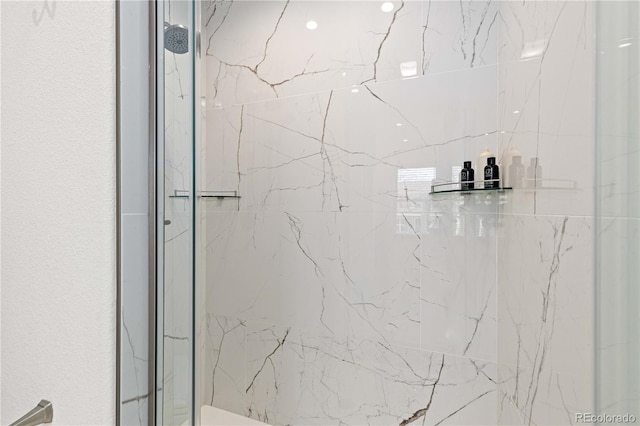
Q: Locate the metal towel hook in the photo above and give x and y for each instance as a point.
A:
(42, 413)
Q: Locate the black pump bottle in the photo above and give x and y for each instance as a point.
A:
(467, 175)
(491, 172)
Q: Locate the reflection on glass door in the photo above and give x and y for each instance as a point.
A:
(176, 192)
(618, 206)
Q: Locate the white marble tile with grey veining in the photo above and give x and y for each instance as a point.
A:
(373, 148)
(296, 377)
(546, 105)
(458, 285)
(545, 307)
(226, 363)
(338, 250)
(343, 274)
(224, 156)
(264, 50)
(457, 35)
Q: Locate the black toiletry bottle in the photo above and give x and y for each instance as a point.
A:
(467, 175)
(516, 172)
(491, 172)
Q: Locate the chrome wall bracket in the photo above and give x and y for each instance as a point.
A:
(42, 413)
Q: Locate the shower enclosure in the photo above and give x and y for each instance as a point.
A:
(306, 272)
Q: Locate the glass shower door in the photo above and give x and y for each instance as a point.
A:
(618, 209)
(176, 211)
(312, 194)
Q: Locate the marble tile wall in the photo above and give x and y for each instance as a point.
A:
(336, 273)
(545, 345)
(259, 50)
(293, 375)
(334, 288)
(546, 109)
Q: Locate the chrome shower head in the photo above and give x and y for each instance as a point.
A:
(176, 38)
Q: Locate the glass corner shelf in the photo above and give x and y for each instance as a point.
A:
(453, 187)
(220, 195)
(538, 185)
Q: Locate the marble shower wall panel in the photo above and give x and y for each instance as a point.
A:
(458, 278)
(259, 50)
(225, 368)
(299, 377)
(340, 274)
(545, 245)
(458, 35)
(546, 316)
(319, 277)
(508, 413)
(256, 263)
(546, 105)
(221, 168)
(280, 57)
(353, 149)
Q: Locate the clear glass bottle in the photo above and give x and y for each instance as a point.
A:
(534, 173)
(516, 172)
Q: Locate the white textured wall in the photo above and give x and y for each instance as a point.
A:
(0, 219)
(58, 220)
